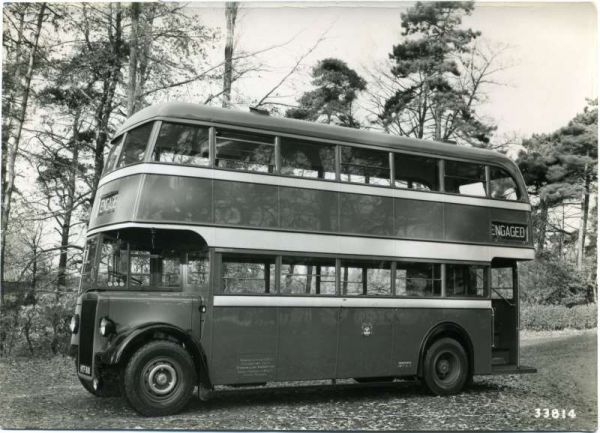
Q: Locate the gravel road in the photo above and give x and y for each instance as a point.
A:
(46, 394)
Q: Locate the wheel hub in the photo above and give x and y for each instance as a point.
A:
(162, 378)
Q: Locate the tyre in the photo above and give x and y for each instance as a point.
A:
(445, 367)
(159, 379)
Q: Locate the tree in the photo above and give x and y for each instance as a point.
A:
(27, 46)
(231, 9)
(563, 166)
(561, 171)
(336, 89)
(435, 77)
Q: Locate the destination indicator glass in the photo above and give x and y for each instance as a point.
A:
(515, 232)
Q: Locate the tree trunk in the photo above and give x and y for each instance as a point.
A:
(104, 109)
(65, 228)
(585, 206)
(12, 146)
(543, 222)
(230, 16)
(133, 58)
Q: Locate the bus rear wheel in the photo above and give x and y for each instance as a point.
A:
(445, 367)
(159, 379)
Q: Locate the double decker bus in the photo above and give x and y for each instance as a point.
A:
(230, 248)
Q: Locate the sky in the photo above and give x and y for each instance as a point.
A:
(550, 63)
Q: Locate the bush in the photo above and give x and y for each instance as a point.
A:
(551, 280)
(36, 324)
(551, 317)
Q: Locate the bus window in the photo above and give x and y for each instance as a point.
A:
(502, 185)
(466, 281)
(366, 278)
(502, 283)
(245, 151)
(112, 269)
(134, 146)
(307, 159)
(365, 166)
(111, 159)
(464, 178)
(416, 172)
(245, 274)
(197, 271)
(418, 279)
(303, 275)
(182, 144)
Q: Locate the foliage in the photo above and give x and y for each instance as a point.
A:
(551, 280)
(336, 89)
(436, 77)
(561, 171)
(537, 317)
(36, 324)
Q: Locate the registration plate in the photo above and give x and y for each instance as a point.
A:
(85, 369)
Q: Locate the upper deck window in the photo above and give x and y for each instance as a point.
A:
(111, 159)
(416, 172)
(245, 151)
(464, 178)
(182, 144)
(365, 166)
(307, 159)
(134, 146)
(502, 185)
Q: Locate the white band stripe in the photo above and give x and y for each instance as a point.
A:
(339, 302)
(222, 237)
(237, 176)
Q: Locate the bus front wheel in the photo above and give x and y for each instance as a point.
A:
(159, 379)
(445, 367)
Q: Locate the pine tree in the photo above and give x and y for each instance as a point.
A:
(428, 97)
(336, 89)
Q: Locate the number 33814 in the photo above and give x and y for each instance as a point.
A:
(554, 413)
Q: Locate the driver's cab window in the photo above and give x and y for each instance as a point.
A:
(148, 262)
(112, 269)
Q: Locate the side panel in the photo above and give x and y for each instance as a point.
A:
(366, 341)
(307, 343)
(244, 348)
(412, 327)
(225, 203)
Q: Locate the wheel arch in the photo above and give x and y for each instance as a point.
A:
(162, 331)
(442, 330)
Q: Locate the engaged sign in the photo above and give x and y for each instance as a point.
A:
(516, 232)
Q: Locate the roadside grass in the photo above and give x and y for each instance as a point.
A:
(556, 317)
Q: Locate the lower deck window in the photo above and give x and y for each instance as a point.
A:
(466, 281)
(149, 262)
(418, 279)
(303, 275)
(244, 274)
(366, 278)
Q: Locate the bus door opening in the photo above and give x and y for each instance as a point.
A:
(505, 298)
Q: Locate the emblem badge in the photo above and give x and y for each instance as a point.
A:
(367, 329)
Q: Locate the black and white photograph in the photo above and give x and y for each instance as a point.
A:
(286, 216)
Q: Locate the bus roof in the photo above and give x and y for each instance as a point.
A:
(315, 130)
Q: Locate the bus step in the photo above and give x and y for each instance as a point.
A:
(500, 356)
(512, 369)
